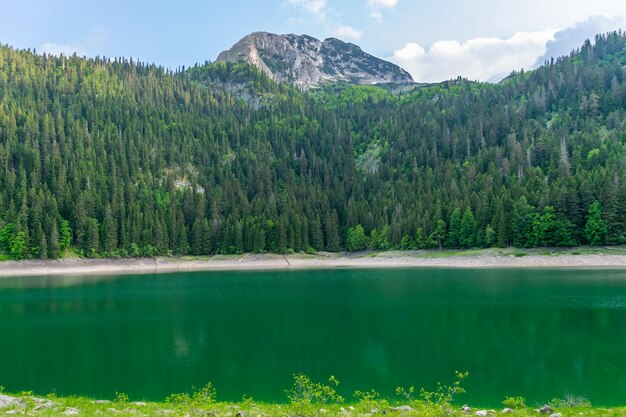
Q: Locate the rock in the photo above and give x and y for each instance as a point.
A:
(6, 401)
(38, 400)
(556, 415)
(11, 412)
(139, 403)
(241, 414)
(342, 410)
(402, 408)
(506, 410)
(482, 413)
(374, 411)
(308, 62)
(351, 408)
(70, 411)
(466, 409)
(322, 411)
(546, 409)
(101, 402)
(44, 406)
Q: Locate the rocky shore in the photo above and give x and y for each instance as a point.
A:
(398, 259)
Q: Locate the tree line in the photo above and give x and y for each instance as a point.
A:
(110, 157)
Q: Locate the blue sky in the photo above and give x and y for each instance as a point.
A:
(433, 39)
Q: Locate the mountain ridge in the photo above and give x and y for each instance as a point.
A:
(307, 62)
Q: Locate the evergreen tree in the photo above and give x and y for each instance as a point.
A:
(467, 238)
(522, 223)
(454, 234)
(333, 243)
(439, 234)
(596, 229)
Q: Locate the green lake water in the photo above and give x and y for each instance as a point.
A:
(536, 333)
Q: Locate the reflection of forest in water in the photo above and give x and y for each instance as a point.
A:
(518, 332)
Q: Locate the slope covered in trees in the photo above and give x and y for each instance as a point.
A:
(112, 157)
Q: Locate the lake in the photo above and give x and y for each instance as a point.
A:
(536, 333)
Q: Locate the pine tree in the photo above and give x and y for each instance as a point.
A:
(468, 235)
(333, 243)
(596, 229)
(54, 247)
(454, 234)
(439, 234)
(522, 223)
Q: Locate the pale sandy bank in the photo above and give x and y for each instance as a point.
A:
(481, 259)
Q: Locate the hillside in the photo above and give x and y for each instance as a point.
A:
(115, 158)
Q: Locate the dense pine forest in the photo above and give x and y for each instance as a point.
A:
(108, 157)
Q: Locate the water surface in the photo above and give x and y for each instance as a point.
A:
(536, 333)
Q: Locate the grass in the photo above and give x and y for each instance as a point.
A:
(249, 408)
(307, 398)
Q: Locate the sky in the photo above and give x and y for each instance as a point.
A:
(434, 40)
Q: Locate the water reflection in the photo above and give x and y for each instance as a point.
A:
(534, 333)
(57, 281)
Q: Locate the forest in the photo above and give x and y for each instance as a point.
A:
(112, 158)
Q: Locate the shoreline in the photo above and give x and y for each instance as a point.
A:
(481, 259)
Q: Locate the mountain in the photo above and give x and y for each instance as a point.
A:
(107, 157)
(308, 62)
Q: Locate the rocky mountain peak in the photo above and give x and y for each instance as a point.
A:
(307, 62)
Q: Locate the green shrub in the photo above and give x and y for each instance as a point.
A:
(305, 393)
(204, 396)
(121, 397)
(370, 399)
(514, 402)
(442, 398)
(570, 401)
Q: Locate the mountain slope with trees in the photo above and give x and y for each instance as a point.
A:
(118, 158)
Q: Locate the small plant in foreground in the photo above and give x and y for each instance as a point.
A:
(516, 403)
(203, 396)
(570, 401)
(121, 397)
(370, 399)
(407, 393)
(441, 399)
(306, 393)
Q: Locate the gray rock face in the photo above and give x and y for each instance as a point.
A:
(6, 401)
(307, 62)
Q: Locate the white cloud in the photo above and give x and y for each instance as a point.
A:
(376, 7)
(388, 4)
(410, 52)
(376, 15)
(326, 17)
(316, 8)
(95, 40)
(484, 59)
(566, 40)
(346, 33)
